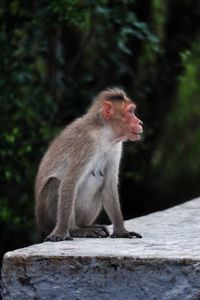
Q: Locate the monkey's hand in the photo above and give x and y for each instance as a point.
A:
(53, 237)
(125, 234)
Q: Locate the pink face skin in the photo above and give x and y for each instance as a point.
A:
(123, 119)
(133, 124)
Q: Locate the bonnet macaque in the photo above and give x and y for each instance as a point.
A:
(78, 175)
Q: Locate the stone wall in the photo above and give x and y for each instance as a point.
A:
(165, 264)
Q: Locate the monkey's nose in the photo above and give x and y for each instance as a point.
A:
(140, 123)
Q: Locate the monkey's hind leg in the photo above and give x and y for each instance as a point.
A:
(98, 226)
(90, 231)
(46, 208)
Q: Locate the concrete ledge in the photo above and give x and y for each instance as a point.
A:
(165, 264)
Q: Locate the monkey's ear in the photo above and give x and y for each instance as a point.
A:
(107, 110)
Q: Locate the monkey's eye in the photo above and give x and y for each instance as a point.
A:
(131, 111)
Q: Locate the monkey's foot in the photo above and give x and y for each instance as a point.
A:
(57, 238)
(102, 227)
(125, 234)
(90, 232)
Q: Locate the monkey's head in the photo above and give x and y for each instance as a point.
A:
(118, 111)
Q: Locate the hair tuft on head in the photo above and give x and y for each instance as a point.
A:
(113, 94)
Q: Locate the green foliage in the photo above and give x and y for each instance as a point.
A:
(179, 151)
(45, 78)
(56, 55)
(159, 17)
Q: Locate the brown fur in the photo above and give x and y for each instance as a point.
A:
(70, 170)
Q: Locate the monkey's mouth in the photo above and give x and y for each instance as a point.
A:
(136, 133)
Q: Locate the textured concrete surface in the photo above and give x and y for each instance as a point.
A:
(165, 264)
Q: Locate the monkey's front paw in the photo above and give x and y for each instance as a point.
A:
(57, 238)
(125, 234)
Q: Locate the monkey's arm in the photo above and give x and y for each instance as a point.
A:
(111, 203)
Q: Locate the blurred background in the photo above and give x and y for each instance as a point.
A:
(55, 56)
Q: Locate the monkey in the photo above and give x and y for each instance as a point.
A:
(78, 175)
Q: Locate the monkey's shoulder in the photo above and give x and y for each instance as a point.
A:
(71, 133)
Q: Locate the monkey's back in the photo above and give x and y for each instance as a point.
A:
(55, 161)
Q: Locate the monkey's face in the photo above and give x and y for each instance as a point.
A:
(133, 125)
(121, 117)
(129, 127)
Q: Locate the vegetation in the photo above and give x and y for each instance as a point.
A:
(56, 55)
